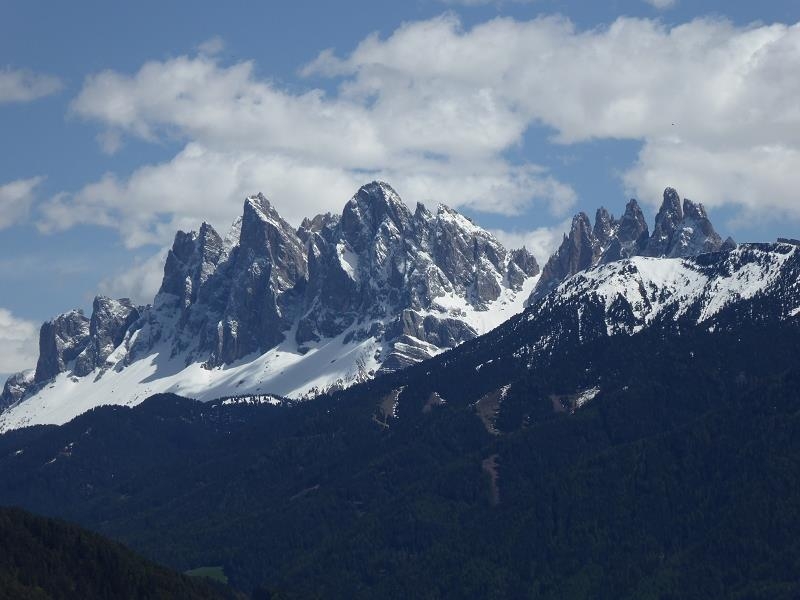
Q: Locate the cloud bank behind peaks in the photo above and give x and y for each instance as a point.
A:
(703, 90)
(18, 343)
(436, 108)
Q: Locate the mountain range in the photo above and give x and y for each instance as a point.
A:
(632, 434)
(269, 309)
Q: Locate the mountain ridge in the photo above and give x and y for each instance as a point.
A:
(681, 230)
(268, 309)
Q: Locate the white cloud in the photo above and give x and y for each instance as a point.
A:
(139, 282)
(760, 180)
(19, 340)
(723, 93)
(110, 141)
(661, 4)
(309, 152)
(542, 242)
(19, 85)
(435, 109)
(212, 46)
(16, 198)
(484, 2)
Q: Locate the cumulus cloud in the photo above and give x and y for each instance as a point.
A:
(484, 2)
(760, 180)
(436, 108)
(708, 87)
(139, 282)
(308, 151)
(19, 85)
(212, 46)
(542, 242)
(661, 4)
(18, 343)
(16, 198)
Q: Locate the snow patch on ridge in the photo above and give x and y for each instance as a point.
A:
(283, 371)
(348, 260)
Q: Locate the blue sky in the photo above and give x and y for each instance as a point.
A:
(125, 121)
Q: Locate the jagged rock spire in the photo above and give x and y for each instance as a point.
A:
(681, 230)
(577, 252)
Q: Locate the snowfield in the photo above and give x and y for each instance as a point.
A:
(282, 371)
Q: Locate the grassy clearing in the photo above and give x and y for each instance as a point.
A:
(215, 573)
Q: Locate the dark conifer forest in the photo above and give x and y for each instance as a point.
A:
(679, 479)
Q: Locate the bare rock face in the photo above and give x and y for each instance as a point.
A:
(578, 251)
(60, 342)
(696, 234)
(379, 263)
(668, 221)
(15, 388)
(71, 342)
(628, 237)
(267, 266)
(107, 328)
(233, 296)
(681, 231)
(403, 282)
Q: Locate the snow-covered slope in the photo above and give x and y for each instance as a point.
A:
(282, 370)
(271, 310)
(681, 231)
(715, 290)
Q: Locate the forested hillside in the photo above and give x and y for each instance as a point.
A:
(44, 558)
(678, 478)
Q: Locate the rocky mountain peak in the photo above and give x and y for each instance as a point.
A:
(577, 252)
(668, 220)
(421, 213)
(264, 234)
(370, 291)
(61, 340)
(521, 265)
(604, 227)
(108, 325)
(192, 259)
(632, 224)
(681, 230)
(15, 388)
(374, 207)
(695, 211)
(316, 225)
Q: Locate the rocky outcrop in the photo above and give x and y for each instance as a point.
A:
(628, 237)
(269, 264)
(60, 342)
(234, 296)
(578, 251)
(107, 328)
(15, 388)
(379, 263)
(378, 273)
(681, 230)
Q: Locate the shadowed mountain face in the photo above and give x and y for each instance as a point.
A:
(679, 232)
(267, 308)
(633, 434)
(44, 558)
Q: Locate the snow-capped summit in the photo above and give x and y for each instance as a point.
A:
(682, 231)
(380, 270)
(679, 232)
(271, 309)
